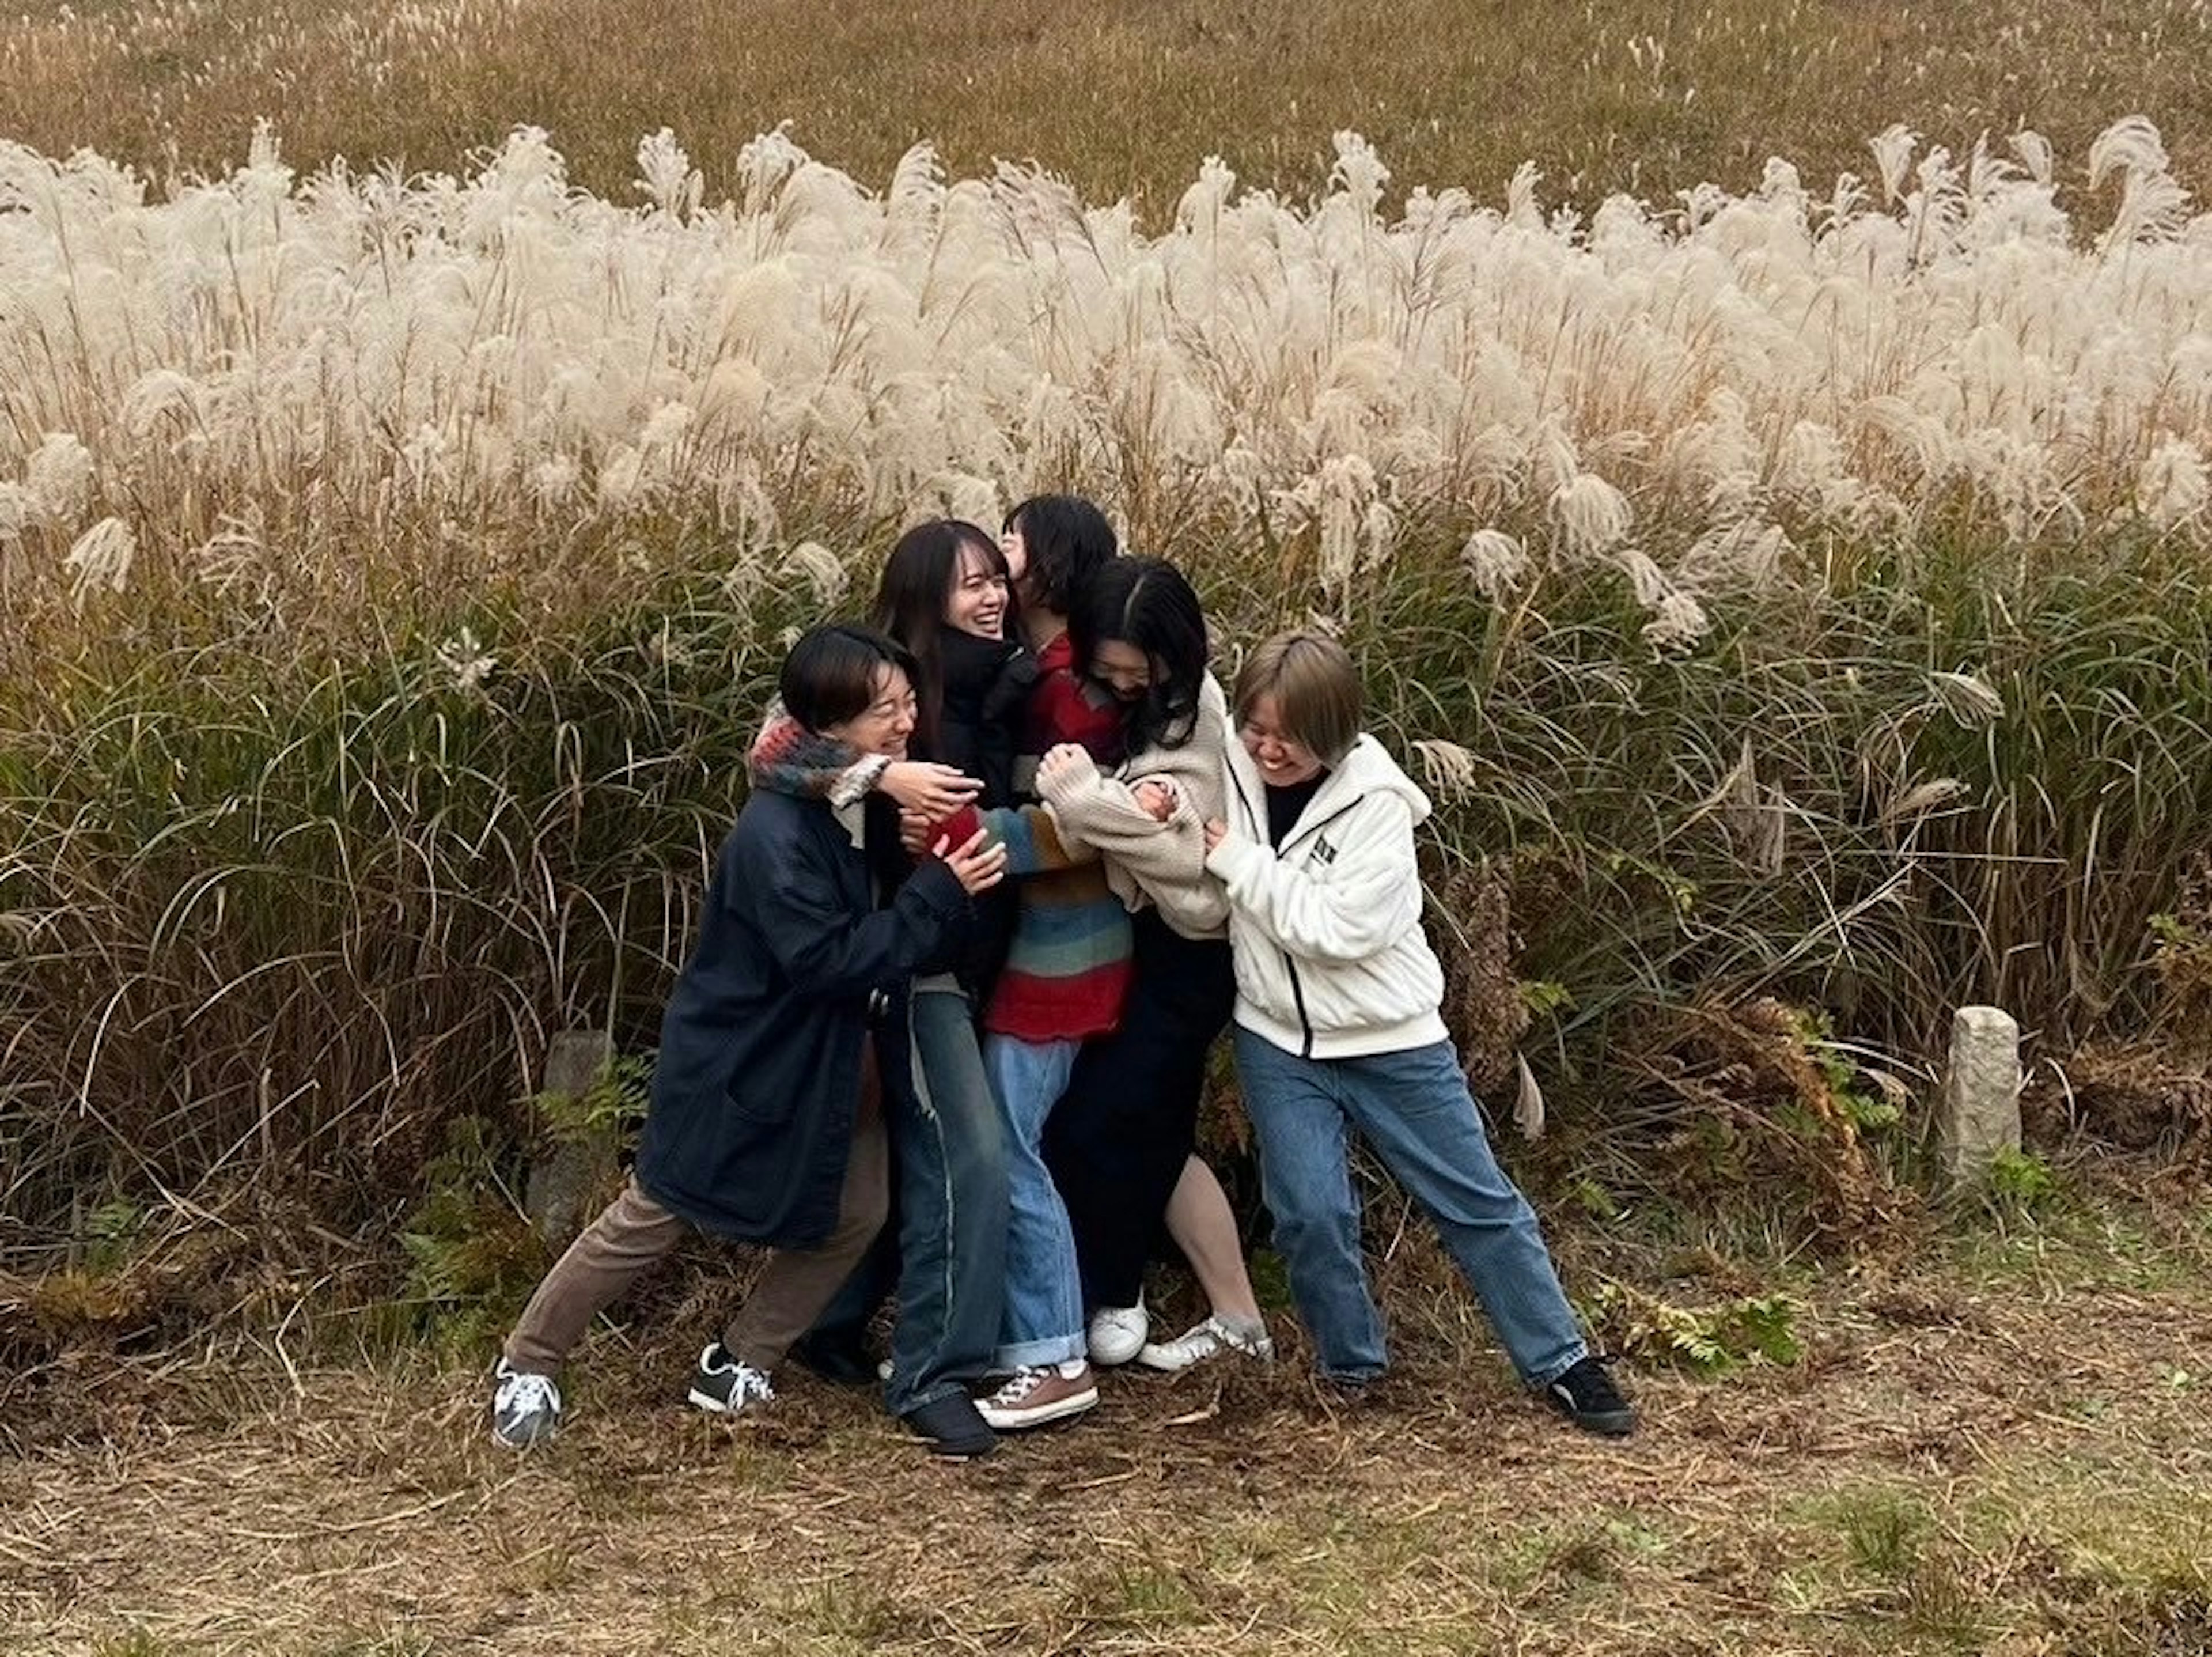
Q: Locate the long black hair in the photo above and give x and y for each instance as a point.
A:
(1146, 603)
(910, 601)
(1066, 539)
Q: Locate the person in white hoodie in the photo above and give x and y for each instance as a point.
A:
(1338, 1029)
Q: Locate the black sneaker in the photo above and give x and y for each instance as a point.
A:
(723, 1386)
(951, 1426)
(1586, 1396)
(838, 1362)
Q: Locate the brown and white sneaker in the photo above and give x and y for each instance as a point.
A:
(1034, 1396)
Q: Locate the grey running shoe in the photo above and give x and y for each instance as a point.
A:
(1197, 1345)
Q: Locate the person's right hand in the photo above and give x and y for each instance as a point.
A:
(978, 865)
(936, 791)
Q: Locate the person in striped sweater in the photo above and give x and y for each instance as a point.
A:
(1066, 971)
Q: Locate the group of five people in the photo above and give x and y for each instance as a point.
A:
(1009, 864)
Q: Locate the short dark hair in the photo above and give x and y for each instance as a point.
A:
(917, 583)
(1147, 604)
(831, 674)
(1067, 539)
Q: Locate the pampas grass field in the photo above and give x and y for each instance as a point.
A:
(1793, 589)
(1761, 454)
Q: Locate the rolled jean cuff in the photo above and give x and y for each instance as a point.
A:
(1539, 1382)
(1038, 1354)
(901, 1403)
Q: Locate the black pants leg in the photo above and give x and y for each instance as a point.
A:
(1117, 1141)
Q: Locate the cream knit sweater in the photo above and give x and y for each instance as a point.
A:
(1149, 862)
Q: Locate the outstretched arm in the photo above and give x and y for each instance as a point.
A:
(788, 758)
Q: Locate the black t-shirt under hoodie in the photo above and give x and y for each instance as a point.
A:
(1287, 804)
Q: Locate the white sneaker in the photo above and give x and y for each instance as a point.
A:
(1117, 1334)
(1197, 1345)
(525, 1408)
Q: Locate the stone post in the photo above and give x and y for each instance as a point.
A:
(1980, 1112)
(568, 1174)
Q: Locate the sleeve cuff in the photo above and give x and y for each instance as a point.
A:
(1068, 787)
(858, 781)
(1230, 858)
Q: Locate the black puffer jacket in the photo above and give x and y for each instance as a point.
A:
(986, 685)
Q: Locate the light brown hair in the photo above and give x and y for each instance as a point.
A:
(1317, 690)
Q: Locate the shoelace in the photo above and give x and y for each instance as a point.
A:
(1196, 1345)
(745, 1382)
(523, 1393)
(753, 1384)
(1203, 1342)
(1019, 1386)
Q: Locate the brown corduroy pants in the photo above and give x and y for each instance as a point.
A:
(635, 1233)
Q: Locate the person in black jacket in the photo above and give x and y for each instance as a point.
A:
(766, 1122)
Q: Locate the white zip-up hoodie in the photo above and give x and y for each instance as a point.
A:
(1331, 961)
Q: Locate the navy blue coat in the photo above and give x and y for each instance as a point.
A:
(753, 1095)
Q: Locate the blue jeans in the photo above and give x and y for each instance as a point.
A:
(1043, 1321)
(1413, 1107)
(948, 1250)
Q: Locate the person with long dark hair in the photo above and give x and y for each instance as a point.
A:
(1116, 1147)
(945, 597)
(1066, 966)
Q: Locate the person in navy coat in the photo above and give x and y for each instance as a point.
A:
(766, 1122)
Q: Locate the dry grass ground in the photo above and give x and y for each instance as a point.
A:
(1994, 1446)
(1641, 95)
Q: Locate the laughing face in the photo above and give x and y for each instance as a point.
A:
(1284, 761)
(977, 603)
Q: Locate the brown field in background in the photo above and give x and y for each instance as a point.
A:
(1640, 95)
